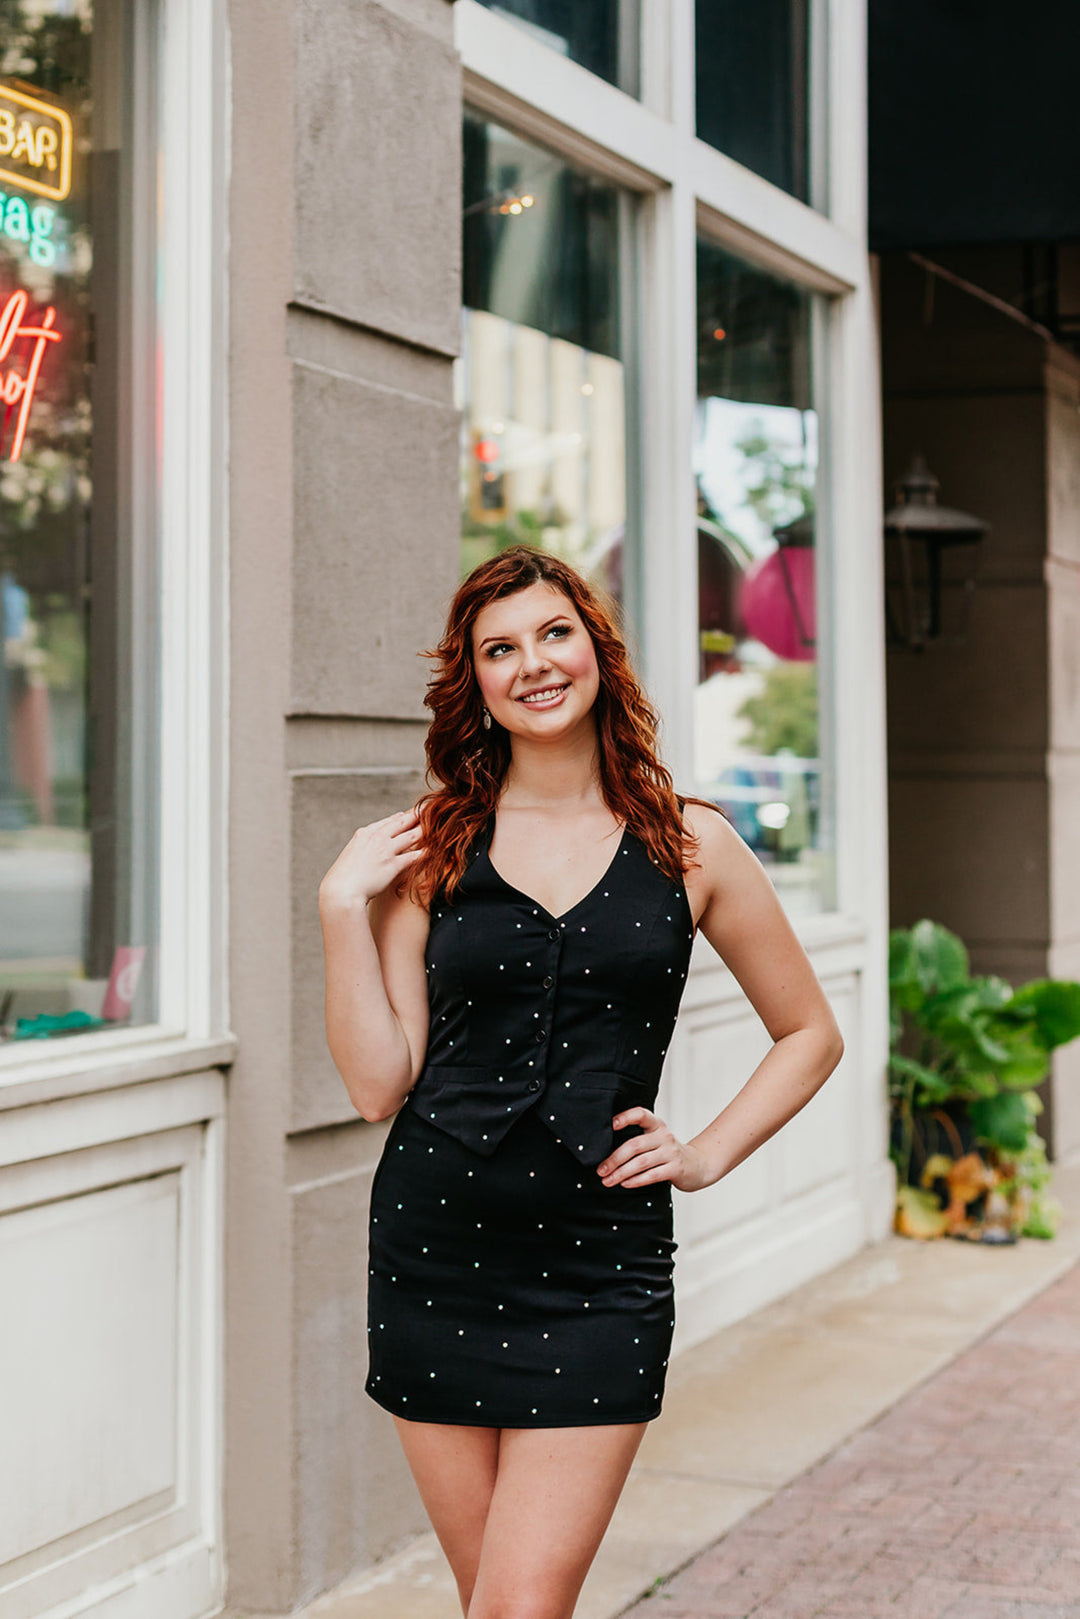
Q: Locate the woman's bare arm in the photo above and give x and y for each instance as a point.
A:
(376, 986)
(747, 926)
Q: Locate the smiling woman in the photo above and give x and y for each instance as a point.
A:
(504, 966)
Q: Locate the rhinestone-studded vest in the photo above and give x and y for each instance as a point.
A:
(570, 1015)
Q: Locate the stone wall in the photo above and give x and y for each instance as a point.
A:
(344, 251)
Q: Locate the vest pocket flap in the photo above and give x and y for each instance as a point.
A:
(613, 1084)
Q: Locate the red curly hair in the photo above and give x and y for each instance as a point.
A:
(470, 763)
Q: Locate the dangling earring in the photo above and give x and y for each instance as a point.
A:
(487, 720)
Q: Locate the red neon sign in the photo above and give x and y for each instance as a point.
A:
(16, 389)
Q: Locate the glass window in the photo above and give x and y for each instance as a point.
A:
(753, 80)
(757, 731)
(603, 35)
(77, 530)
(542, 379)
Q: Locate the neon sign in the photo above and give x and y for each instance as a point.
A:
(15, 388)
(35, 145)
(34, 226)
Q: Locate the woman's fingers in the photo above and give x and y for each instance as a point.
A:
(635, 1165)
(635, 1115)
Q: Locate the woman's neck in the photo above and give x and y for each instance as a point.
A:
(561, 775)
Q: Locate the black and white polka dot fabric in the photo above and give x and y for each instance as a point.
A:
(508, 1287)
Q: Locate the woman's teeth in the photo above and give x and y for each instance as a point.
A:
(534, 698)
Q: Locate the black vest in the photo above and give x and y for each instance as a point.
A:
(571, 1015)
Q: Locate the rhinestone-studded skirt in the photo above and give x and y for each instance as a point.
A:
(515, 1291)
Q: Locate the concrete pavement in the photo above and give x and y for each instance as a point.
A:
(962, 1502)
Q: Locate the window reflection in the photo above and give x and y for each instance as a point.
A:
(75, 833)
(541, 381)
(753, 77)
(756, 456)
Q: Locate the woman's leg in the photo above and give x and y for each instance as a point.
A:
(455, 1469)
(555, 1491)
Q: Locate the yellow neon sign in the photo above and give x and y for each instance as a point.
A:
(35, 145)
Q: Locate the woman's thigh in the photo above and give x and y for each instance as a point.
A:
(455, 1471)
(555, 1491)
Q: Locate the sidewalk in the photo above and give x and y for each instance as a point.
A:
(749, 1411)
(963, 1502)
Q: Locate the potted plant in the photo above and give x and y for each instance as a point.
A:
(966, 1054)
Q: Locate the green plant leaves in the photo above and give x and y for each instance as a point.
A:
(1054, 1006)
(1003, 1121)
(903, 1069)
(924, 960)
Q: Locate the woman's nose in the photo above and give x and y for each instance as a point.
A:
(534, 660)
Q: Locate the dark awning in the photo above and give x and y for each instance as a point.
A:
(973, 122)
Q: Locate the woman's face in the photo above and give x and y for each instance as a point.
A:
(535, 663)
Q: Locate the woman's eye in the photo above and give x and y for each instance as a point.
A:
(559, 629)
(500, 646)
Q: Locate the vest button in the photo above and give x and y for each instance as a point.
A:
(540, 1036)
(534, 1085)
(548, 981)
(553, 935)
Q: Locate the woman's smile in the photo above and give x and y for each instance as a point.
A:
(544, 696)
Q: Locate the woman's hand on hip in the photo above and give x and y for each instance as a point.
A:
(374, 857)
(655, 1155)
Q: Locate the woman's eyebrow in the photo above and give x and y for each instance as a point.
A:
(540, 630)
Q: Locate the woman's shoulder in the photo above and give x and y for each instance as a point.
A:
(705, 820)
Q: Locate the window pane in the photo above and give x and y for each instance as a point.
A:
(753, 72)
(541, 381)
(603, 35)
(757, 736)
(76, 698)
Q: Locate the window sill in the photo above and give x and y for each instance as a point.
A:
(103, 1061)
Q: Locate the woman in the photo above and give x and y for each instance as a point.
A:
(504, 965)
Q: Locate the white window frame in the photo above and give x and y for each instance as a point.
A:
(686, 187)
(191, 1029)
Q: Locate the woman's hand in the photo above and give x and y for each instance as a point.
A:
(655, 1155)
(374, 857)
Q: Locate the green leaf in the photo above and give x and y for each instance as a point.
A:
(993, 992)
(1054, 1005)
(899, 956)
(971, 1038)
(938, 958)
(1026, 1061)
(930, 1086)
(1003, 1121)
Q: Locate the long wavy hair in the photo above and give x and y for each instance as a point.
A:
(469, 762)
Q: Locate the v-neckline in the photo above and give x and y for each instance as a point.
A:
(520, 892)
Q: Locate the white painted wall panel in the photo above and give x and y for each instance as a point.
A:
(90, 1285)
(109, 1355)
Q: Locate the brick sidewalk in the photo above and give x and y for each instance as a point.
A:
(962, 1501)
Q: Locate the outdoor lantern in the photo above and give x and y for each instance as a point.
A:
(777, 594)
(922, 541)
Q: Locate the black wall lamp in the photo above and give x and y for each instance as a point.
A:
(928, 548)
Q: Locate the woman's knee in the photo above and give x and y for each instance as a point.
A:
(517, 1605)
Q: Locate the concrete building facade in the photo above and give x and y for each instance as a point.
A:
(185, 1182)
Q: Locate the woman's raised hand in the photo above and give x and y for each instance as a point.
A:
(374, 857)
(655, 1155)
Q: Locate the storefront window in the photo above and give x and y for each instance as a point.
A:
(753, 82)
(77, 529)
(758, 735)
(603, 35)
(542, 382)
